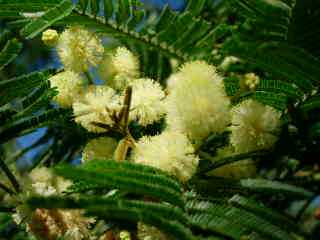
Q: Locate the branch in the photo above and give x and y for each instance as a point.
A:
(227, 160)
(6, 189)
(9, 174)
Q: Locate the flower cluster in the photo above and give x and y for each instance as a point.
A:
(194, 106)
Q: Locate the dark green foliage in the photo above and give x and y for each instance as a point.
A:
(127, 179)
(276, 39)
(9, 52)
(47, 19)
(233, 219)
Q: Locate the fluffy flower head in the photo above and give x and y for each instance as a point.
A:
(100, 148)
(78, 49)
(125, 62)
(97, 105)
(170, 151)
(120, 68)
(197, 104)
(254, 126)
(147, 104)
(69, 86)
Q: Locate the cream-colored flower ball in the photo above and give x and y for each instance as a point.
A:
(170, 151)
(197, 103)
(79, 49)
(254, 126)
(99, 104)
(147, 105)
(69, 86)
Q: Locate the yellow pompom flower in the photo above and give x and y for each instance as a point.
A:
(170, 151)
(79, 49)
(50, 37)
(99, 104)
(197, 103)
(100, 148)
(119, 68)
(125, 62)
(69, 86)
(147, 104)
(254, 126)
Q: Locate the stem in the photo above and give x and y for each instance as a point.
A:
(124, 114)
(227, 160)
(9, 175)
(6, 189)
(304, 208)
(7, 209)
(89, 78)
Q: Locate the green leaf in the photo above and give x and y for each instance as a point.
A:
(21, 8)
(9, 52)
(161, 210)
(221, 186)
(21, 86)
(195, 7)
(166, 217)
(178, 35)
(279, 86)
(266, 213)
(303, 31)
(130, 181)
(129, 168)
(51, 16)
(278, 101)
(311, 104)
(208, 212)
(280, 59)
(274, 187)
(28, 124)
(264, 18)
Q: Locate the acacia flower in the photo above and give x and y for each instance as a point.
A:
(99, 104)
(69, 86)
(197, 103)
(254, 126)
(147, 104)
(79, 49)
(120, 68)
(170, 151)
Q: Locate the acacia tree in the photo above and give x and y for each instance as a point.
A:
(199, 124)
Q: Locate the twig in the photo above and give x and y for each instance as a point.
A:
(227, 160)
(304, 208)
(14, 182)
(6, 189)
